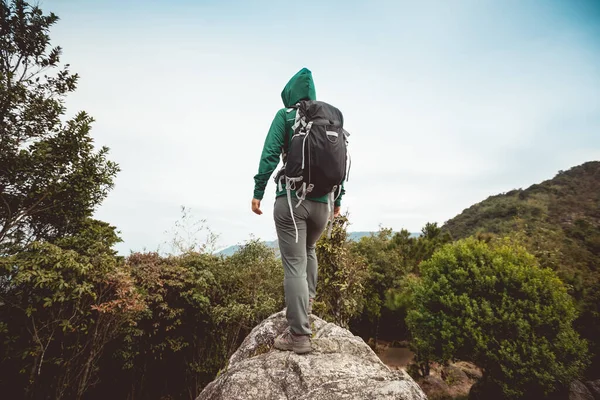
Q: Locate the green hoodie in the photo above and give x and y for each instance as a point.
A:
(300, 87)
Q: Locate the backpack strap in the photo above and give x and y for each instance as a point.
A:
(280, 177)
(291, 183)
(286, 141)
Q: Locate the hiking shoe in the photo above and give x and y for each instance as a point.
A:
(287, 341)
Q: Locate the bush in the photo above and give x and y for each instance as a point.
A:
(60, 306)
(199, 309)
(492, 305)
(392, 260)
(342, 276)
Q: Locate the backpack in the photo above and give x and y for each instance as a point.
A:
(316, 159)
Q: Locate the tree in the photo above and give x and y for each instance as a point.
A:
(493, 305)
(558, 222)
(393, 259)
(432, 238)
(51, 178)
(388, 257)
(200, 307)
(60, 305)
(342, 275)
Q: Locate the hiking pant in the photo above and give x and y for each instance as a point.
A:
(299, 259)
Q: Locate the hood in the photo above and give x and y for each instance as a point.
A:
(300, 87)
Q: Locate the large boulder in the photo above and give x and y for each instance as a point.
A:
(472, 371)
(341, 366)
(435, 387)
(594, 387)
(454, 375)
(578, 391)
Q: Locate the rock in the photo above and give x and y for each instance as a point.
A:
(578, 391)
(435, 387)
(453, 375)
(341, 366)
(594, 388)
(447, 382)
(472, 371)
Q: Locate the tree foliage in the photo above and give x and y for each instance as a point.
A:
(51, 177)
(76, 319)
(60, 305)
(199, 309)
(393, 259)
(493, 305)
(342, 275)
(558, 221)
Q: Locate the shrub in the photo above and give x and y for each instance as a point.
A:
(494, 306)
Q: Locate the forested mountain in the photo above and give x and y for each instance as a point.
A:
(558, 221)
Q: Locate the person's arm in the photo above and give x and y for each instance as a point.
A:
(269, 158)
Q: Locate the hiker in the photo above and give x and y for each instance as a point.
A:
(302, 209)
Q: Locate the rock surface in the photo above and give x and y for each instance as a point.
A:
(435, 387)
(341, 366)
(470, 369)
(453, 375)
(578, 391)
(594, 387)
(447, 382)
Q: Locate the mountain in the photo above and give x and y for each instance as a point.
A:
(560, 213)
(558, 221)
(353, 236)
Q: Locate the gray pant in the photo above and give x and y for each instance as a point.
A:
(299, 259)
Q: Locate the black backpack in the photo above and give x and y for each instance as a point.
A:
(316, 159)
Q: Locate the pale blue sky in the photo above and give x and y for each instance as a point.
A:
(448, 102)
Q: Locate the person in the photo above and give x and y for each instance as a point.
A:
(297, 248)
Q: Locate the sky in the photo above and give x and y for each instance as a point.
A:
(447, 102)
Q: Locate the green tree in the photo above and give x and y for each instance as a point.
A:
(342, 276)
(200, 308)
(493, 305)
(51, 177)
(61, 304)
(432, 238)
(393, 259)
(152, 359)
(388, 257)
(558, 222)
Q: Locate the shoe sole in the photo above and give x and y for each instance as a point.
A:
(302, 351)
(307, 348)
(282, 348)
(297, 350)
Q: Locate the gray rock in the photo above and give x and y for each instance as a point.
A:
(470, 369)
(341, 366)
(578, 391)
(435, 387)
(453, 375)
(594, 387)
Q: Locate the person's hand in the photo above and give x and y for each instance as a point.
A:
(336, 211)
(256, 207)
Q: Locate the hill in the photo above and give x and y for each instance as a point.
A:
(558, 220)
(561, 213)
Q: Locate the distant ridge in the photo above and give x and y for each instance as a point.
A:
(353, 236)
